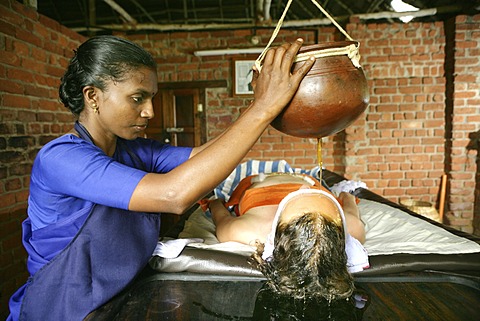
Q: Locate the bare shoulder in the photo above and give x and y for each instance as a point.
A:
(252, 226)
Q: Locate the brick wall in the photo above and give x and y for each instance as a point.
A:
(397, 146)
(33, 57)
(400, 146)
(465, 125)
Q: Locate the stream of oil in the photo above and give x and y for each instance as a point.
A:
(319, 158)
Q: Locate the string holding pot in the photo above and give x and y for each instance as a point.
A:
(332, 95)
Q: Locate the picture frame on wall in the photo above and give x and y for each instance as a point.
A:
(242, 77)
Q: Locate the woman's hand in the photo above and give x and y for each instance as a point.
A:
(347, 198)
(275, 85)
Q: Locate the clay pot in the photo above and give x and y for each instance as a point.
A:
(331, 96)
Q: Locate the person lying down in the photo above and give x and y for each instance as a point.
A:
(308, 241)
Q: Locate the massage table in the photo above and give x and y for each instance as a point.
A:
(214, 281)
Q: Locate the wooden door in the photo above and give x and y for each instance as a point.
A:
(178, 121)
(178, 117)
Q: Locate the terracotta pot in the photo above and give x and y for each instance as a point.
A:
(331, 96)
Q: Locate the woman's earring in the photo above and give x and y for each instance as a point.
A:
(95, 108)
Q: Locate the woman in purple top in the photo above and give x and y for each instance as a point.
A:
(96, 192)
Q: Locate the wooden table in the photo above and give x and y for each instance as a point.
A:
(428, 295)
(168, 296)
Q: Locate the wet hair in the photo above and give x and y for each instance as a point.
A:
(96, 61)
(273, 307)
(309, 260)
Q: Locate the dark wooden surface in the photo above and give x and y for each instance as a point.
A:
(421, 301)
(428, 295)
(154, 297)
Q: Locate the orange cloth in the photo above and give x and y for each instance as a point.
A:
(245, 198)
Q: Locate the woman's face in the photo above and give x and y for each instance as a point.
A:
(310, 203)
(126, 106)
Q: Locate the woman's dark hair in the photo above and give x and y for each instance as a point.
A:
(96, 61)
(273, 307)
(309, 260)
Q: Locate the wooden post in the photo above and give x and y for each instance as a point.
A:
(443, 191)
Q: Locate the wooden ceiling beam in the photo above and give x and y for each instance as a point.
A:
(286, 24)
(92, 13)
(115, 6)
(143, 10)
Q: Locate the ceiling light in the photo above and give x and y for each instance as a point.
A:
(400, 6)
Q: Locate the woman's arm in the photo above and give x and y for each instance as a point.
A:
(177, 190)
(228, 227)
(244, 229)
(222, 219)
(355, 226)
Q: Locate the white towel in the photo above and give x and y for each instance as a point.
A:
(347, 186)
(357, 255)
(171, 249)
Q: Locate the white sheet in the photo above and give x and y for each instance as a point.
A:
(389, 231)
(392, 231)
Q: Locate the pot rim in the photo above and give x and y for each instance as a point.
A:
(326, 45)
